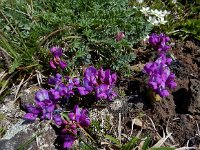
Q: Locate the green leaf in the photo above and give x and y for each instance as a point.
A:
(146, 144)
(85, 145)
(130, 144)
(65, 116)
(113, 139)
(16, 63)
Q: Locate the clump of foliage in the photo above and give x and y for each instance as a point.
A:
(86, 29)
(183, 19)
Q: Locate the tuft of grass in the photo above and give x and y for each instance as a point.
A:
(86, 30)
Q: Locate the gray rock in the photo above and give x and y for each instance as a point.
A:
(27, 96)
(194, 106)
(29, 136)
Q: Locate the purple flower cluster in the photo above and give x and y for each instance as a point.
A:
(99, 81)
(77, 118)
(57, 52)
(61, 89)
(159, 42)
(160, 77)
(50, 104)
(47, 109)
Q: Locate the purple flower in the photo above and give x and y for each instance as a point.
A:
(101, 91)
(68, 141)
(104, 91)
(41, 95)
(56, 61)
(98, 81)
(160, 75)
(76, 81)
(111, 94)
(159, 42)
(33, 112)
(86, 88)
(62, 64)
(119, 36)
(55, 80)
(55, 94)
(47, 112)
(83, 120)
(56, 51)
(91, 75)
(60, 89)
(80, 116)
(101, 74)
(154, 39)
(109, 79)
(57, 119)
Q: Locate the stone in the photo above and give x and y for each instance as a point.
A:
(29, 135)
(27, 96)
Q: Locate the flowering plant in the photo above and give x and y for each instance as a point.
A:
(159, 73)
(155, 17)
(51, 104)
(99, 81)
(56, 61)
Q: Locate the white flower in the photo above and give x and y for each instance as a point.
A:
(166, 12)
(158, 13)
(156, 16)
(174, 1)
(153, 20)
(163, 21)
(140, 1)
(155, 12)
(145, 10)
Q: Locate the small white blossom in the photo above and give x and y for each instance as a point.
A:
(163, 21)
(140, 1)
(153, 20)
(155, 17)
(174, 1)
(158, 13)
(145, 10)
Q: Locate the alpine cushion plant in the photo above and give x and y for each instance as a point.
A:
(52, 104)
(160, 77)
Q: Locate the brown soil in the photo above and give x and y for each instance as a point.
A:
(178, 114)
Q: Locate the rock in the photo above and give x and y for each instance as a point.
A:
(127, 103)
(194, 106)
(11, 109)
(27, 96)
(30, 136)
(23, 134)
